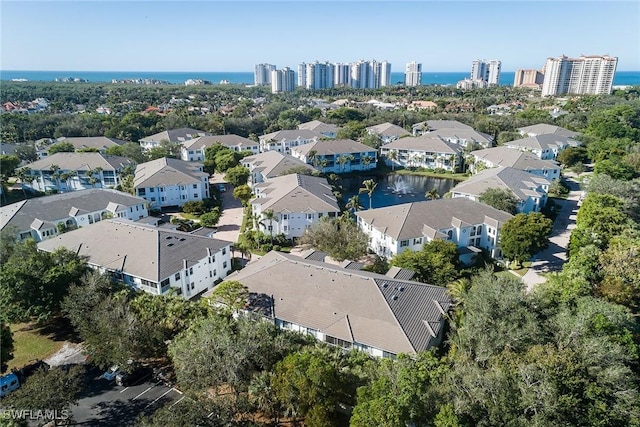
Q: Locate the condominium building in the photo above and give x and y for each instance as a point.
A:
(262, 74)
(370, 75)
(486, 71)
(584, 75)
(341, 75)
(528, 78)
(283, 80)
(413, 74)
(316, 75)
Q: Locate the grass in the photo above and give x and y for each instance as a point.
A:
(446, 175)
(185, 215)
(523, 268)
(30, 343)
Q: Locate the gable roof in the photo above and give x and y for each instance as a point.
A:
(542, 142)
(81, 162)
(411, 220)
(272, 163)
(522, 184)
(296, 193)
(97, 142)
(60, 206)
(135, 249)
(290, 135)
(168, 171)
(388, 129)
(397, 316)
(442, 124)
(543, 128)
(326, 147)
(427, 143)
(175, 136)
(318, 126)
(509, 157)
(465, 134)
(230, 140)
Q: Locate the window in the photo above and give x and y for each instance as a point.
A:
(479, 230)
(152, 190)
(184, 197)
(195, 185)
(195, 195)
(417, 241)
(285, 216)
(210, 274)
(215, 273)
(404, 243)
(153, 199)
(309, 216)
(449, 234)
(142, 191)
(163, 198)
(182, 187)
(224, 251)
(177, 276)
(193, 285)
(191, 270)
(224, 264)
(286, 228)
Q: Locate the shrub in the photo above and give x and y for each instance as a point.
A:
(277, 248)
(193, 207)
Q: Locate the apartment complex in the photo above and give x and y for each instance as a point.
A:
(413, 74)
(283, 80)
(528, 78)
(591, 75)
(487, 71)
(262, 74)
(361, 74)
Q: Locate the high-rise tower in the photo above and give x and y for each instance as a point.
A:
(413, 74)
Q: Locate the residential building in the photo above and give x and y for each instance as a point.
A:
(422, 105)
(370, 75)
(100, 143)
(298, 201)
(413, 74)
(149, 259)
(469, 84)
(337, 156)
(507, 157)
(342, 75)
(584, 75)
(426, 151)
(316, 75)
(409, 226)
(262, 74)
(43, 217)
(271, 164)
(62, 172)
(170, 182)
(530, 190)
(174, 136)
(194, 149)
(487, 71)
(546, 146)
(327, 130)
(544, 129)
(283, 80)
(387, 132)
(528, 78)
(454, 132)
(351, 309)
(283, 140)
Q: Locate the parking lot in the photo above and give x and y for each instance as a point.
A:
(103, 403)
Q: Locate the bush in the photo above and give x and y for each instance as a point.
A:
(277, 248)
(266, 247)
(193, 207)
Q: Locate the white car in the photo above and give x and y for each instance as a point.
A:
(110, 375)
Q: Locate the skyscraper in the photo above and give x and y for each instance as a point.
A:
(317, 75)
(413, 74)
(302, 75)
(585, 75)
(528, 78)
(262, 74)
(493, 79)
(487, 71)
(283, 80)
(341, 75)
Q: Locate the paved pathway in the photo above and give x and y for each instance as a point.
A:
(552, 258)
(231, 219)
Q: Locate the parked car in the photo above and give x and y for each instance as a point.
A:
(111, 373)
(136, 376)
(8, 383)
(222, 188)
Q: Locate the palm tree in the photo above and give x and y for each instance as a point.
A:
(354, 204)
(55, 174)
(270, 216)
(367, 160)
(368, 186)
(432, 194)
(392, 156)
(342, 160)
(24, 174)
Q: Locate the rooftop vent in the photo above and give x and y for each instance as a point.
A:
(394, 297)
(169, 244)
(385, 284)
(401, 288)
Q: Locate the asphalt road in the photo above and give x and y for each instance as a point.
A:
(103, 403)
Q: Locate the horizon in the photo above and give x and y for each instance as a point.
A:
(239, 71)
(169, 36)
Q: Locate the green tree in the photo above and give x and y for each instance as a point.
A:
(525, 235)
(164, 149)
(210, 219)
(432, 194)
(237, 175)
(61, 147)
(8, 164)
(372, 140)
(368, 186)
(339, 237)
(572, 156)
(243, 193)
(6, 345)
(501, 199)
(353, 203)
(615, 168)
(26, 153)
(436, 263)
(269, 216)
(231, 294)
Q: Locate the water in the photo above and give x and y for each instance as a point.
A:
(396, 189)
(242, 77)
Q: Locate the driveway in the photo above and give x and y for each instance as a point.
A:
(229, 226)
(553, 258)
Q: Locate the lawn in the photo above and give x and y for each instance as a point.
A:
(446, 175)
(30, 344)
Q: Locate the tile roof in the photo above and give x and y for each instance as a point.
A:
(296, 193)
(226, 140)
(60, 206)
(509, 157)
(168, 171)
(272, 163)
(522, 184)
(136, 249)
(81, 162)
(175, 135)
(410, 220)
(397, 316)
(326, 147)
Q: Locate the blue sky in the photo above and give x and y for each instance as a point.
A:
(234, 36)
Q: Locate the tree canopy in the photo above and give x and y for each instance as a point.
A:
(339, 237)
(525, 235)
(501, 199)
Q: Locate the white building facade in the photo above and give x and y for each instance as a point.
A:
(584, 75)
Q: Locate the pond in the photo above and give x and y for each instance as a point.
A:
(394, 189)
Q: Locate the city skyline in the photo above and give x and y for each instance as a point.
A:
(235, 36)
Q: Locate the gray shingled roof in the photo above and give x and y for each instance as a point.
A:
(226, 140)
(296, 193)
(318, 126)
(81, 162)
(397, 316)
(388, 129)
(409, 220)
(135, 249)
(176, 136)
(542, 142)
(427, 143)
(58, 206)
(98, 142)
(543, 128)
(521, 183)
(291, 135)
(326, 147)
(273, 163)
(466, 134)
(510, 157)
(167, 171)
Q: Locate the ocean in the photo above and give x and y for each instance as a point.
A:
(215, 77)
